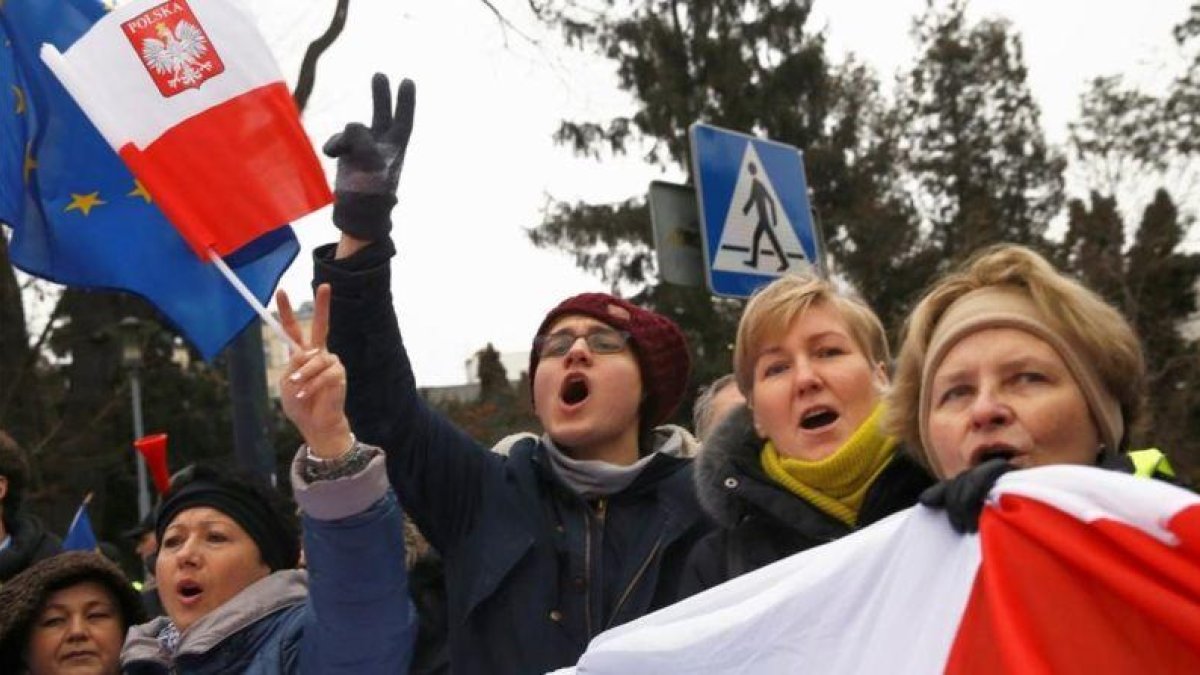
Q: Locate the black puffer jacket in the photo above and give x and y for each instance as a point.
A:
(31, 542)
(760, 521)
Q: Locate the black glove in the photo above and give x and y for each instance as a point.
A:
(369, 162)
(963, 495)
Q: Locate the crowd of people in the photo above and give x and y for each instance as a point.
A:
(609, 513)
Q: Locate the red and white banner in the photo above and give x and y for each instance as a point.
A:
(1075, 570)
(187, 92)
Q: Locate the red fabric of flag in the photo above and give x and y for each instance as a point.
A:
(1056, 594)
(233, 172)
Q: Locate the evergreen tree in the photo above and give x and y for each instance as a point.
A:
(1094, 247)
(748, 65)
(1182, 108)
(973, 142)
(493, 379)
(1119, 139)
(23, 409)
(1163, 282)
(500, 409)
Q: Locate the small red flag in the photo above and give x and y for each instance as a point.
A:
(154, 449)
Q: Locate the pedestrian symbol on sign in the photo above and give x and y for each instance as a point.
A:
(753, 217)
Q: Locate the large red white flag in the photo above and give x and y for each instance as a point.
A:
(187, 92)
(1075, 570)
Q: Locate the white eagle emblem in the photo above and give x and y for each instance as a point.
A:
(178, 54)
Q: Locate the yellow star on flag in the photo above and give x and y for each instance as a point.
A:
(139, 190)
(20, 96)
(30, 162)
(84, 203)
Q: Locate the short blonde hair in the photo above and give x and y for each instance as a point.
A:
(1102, 336)
(775, 307)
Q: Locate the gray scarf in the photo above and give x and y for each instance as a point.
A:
(593, 478)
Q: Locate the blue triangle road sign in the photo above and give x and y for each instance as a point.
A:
(755, 219)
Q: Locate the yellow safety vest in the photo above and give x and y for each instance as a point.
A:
(1151, 461)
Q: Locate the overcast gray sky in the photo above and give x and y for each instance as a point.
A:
(481, 163)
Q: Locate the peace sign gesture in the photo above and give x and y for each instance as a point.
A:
(369, 162)
(313, 390)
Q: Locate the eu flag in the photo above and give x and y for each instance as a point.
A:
(80, 536)
(78, 216)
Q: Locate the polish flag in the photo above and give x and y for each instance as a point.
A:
(1075, 570)
(188, 94)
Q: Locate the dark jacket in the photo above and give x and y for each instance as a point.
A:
(533, 571)
(760, 521)
(31, 542)
(348, 613)
(427, 583)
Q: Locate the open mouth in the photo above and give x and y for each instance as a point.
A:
(574, 390)
(1000, 451)
(189, 591)
(818, 418)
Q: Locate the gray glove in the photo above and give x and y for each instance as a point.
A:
(369, 162)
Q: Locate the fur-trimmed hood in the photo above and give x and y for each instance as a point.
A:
(730, 449)
(22, 597)
(729, 459)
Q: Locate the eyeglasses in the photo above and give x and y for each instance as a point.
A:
(600, 341)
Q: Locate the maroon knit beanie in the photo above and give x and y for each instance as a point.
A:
(658, 345)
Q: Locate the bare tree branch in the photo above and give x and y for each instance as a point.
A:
(308, 67)
(507, 25)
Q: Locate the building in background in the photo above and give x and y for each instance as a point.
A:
(276, 355)
(275, 349)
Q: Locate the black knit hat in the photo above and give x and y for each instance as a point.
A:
(658, 345)
(22, 597)
(258, 510)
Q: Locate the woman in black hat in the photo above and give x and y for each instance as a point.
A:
(229, 549)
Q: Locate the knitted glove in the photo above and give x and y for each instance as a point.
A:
(369, 162)
(963, 495)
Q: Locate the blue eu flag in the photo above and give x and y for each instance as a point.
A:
(78, 216)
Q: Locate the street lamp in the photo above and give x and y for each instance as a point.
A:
(131, 358)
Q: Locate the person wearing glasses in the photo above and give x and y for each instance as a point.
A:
(582, 528)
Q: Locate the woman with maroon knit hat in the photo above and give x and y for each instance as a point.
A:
(581, 529)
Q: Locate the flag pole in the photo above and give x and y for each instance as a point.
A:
(87, 499)
(253, 301)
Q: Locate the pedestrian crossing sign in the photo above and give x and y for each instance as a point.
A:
(755, 219)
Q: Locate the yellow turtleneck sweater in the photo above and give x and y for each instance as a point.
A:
(838, 483)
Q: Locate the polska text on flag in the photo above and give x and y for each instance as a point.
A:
(189, 95)
(78, 215)
(1075, 570)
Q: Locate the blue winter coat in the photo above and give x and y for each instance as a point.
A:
(533, 571)
(348, 613)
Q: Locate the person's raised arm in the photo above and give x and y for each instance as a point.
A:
(360, 618)
(434, 467)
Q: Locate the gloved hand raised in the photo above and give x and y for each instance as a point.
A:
(369, 162)
(963, 495)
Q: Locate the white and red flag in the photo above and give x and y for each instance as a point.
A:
(1075, 570)
(187, 92)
